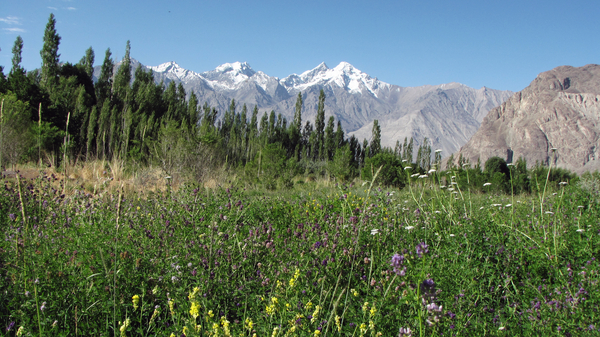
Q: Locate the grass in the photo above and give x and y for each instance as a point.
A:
(318, 259)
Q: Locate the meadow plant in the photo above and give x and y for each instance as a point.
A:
(346, 260)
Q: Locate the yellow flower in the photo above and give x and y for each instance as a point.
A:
(195, 309)
(275, 331)
(249, 323)
(210, 314)
(363, 329)
(172, 335)
(315, 314)
(365, 306)
(185, 330)
(338, 323)
(193, 293)
(354, 292)
(172, 307)
(136, 301)
(274, 300)
(124, 327)
(309, 305)
(317, 332)
(371, 325)
(373, 311)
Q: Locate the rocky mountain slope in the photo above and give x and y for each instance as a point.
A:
(556, 120)
(447, 114)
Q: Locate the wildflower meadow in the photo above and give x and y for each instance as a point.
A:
(339, 259)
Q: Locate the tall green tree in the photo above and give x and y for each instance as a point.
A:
(16, 51)
(87, 62)
(50, 56)
(330, 139)
(122, 79)
(104, 84)
(375, 146)
(320, 126)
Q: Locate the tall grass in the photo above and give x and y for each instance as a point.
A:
(316, 259)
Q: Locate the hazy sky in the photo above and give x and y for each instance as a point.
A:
(497, 44)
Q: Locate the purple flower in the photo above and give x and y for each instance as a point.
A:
(10, 326)
(427, 285)
(12, 216)
(422, 248)
(43, 307)
(397, 261)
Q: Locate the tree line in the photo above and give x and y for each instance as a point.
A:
(58, 114)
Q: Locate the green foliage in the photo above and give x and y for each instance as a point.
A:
(341, 167)
(498, 174)
(391, 173)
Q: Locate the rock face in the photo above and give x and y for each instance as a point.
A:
(555, 120)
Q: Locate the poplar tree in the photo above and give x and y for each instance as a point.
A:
(375, 146)
(320, 126)
(50, 56)
(104, 84)
(88, 62)
(122, 79)
(16, 51)
(329, 139)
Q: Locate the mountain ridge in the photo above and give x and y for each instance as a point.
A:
(448, 114)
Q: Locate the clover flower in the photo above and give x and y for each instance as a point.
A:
(397, 261)
(422, 248)
(404, 332)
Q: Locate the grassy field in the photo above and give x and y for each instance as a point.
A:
(315, 260)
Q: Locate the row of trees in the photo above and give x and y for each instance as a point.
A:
(59, 112)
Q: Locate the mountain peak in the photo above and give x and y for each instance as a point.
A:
(236, 68)
(345, 66)
(167, 66)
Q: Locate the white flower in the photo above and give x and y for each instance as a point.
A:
(451, 235)
(465, 164)
(404, 160)
(423, 176)
(496, 205)
(443, 186)
(487, 184)
(580, 230)
(562, 183)
(438, 150)
(438, 212)
(548, 212)
(508, 205)
(510, 164)
(374, 231)
(409, 227)
(451, 189)
(407, 168)
(431, 171)
(481, 207)
(414, 175)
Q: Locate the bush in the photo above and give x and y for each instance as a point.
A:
(391, 173)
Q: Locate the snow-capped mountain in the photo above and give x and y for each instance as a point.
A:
(447, 114)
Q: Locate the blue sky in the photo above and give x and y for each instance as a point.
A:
(497, 44)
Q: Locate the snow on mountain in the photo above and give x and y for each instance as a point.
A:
(343, 75)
